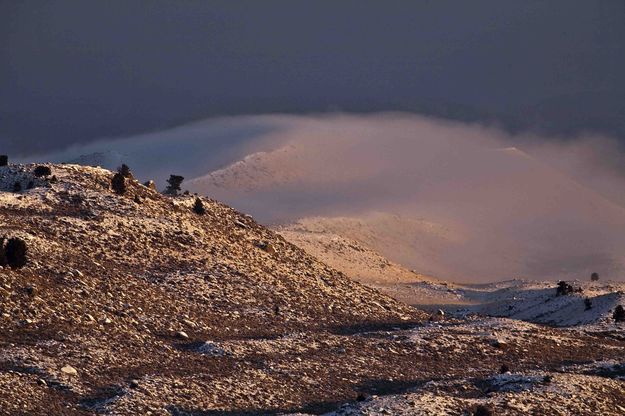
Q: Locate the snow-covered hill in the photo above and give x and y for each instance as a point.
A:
(538, 302)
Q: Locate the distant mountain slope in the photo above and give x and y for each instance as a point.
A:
(364, 243)
(500, 213)
(352, 257)
(510, 213)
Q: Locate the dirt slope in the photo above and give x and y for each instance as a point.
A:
(352, 257)
(396, 239)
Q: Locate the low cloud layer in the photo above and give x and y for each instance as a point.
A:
(509, 206)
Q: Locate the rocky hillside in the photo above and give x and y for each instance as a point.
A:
(118, 286)
(134, 304)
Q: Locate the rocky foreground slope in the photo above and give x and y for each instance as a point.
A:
(135, 305)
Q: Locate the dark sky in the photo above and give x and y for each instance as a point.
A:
(72, 71)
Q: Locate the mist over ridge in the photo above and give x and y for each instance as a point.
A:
(523, 208)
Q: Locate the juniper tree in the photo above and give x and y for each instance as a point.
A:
(483, 410)
(4, 160)
(3, 254)
(619, 314)
(564, 288)
(17, 187)
(594, 277)
(15, 253)
(118, 183)
(588, 304)
(173, 186)
(42, 170)
(198, 207)
(124, 170)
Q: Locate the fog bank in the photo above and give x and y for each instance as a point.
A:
(509, 206)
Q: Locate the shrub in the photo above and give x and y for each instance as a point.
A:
(124, 170)
(42, 171)
(17, 187)
(3, 254)
(13, 252)
(118, 183)
(619, 314)
(54, 179)
(4, 160)
(547, 379)
(594, 277)
(588, 304)
(483, 410)
(564, 289)
(198, 207)
(504, 369)
(362, 397)
(174, 183)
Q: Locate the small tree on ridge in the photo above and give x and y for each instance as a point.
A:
(173, 186)
(124, 170)
(198, 207)
(118, 183)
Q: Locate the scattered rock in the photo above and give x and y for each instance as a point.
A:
(499, 343)
(150, 185)
(189, 323)
(240, 224)
(265, 245)
(69, 370)
(212, 349)
(31, 290)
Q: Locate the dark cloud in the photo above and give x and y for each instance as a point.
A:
(72, 71)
